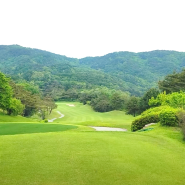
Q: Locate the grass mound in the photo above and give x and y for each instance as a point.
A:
(7, 118)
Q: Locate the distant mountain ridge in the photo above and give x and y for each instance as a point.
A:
(140, 69)
(127, 71)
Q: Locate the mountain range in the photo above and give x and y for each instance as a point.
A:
(127, 71)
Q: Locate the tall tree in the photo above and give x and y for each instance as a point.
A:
(5, 92)
(7, 102)
(173, 82)
(132, 106)
(143, 104)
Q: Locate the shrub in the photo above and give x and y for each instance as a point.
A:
(154, 110)
(149, 116)
(141, 121)
(181, 116)
(101, 105)
(168, 117)
(45, 120)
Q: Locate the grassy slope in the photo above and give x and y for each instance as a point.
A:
(6, 118)
(63, 156)
(84, 115)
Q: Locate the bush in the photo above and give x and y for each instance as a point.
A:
(149, 116)
(45, 120)
(101, 105)
(181, 116)
(168, 117)
(154, 110)
(141, 121)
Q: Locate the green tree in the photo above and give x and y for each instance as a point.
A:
(101, 105)
(173, 82)
(175, 99)
(31, 87)
(7, 102)
(132, 106)
(29, 100)
(15, 108)
(45, 107)
(118, 100)
(5, 92)
(143, 105)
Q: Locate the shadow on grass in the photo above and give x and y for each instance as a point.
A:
(28, 128)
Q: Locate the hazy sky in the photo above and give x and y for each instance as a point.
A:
(80, 28)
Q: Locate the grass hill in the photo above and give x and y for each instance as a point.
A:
(126, 71)
(9, 119)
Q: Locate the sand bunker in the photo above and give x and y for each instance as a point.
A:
(61, 116)
(149, 124)
(108, 129)
(71, 105)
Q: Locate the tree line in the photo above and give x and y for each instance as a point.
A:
(126, 71)
(23, 99)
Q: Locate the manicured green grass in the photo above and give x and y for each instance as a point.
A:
(6, 118)
(66, 152)
(91, 158)
(167, 132)
(84, 115)
(27, 128)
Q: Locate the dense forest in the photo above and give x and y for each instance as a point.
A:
(116, 81)
(140, 71)
(59, 76)
(54, 74)
(23, 99)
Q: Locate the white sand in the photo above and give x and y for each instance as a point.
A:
(108, 129)
(61, 116)
(71, 105)
(51, 120)
(149, 125)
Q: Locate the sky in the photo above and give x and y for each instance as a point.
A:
(81, 28)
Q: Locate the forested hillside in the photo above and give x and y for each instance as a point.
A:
(61, 76)
(140, 70)
(53, 73)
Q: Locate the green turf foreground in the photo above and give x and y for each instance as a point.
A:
(67, 152)
(111, 158)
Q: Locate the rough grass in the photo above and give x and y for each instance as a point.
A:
(66, 154)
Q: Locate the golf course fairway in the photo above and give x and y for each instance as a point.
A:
(69, 152)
